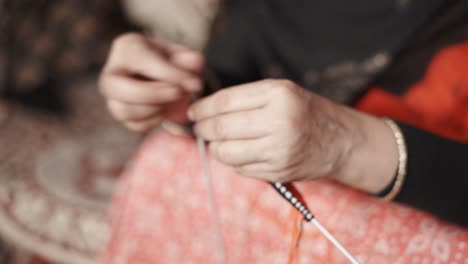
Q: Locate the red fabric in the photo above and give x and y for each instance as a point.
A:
(437, 103)
(160, 211)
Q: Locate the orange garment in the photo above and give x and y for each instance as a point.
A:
(161, 215)
(437, 103)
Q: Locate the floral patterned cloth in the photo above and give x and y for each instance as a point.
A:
(161, 211)
(161, 215)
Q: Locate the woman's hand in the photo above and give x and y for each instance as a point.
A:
(276, 131)
(145, 81)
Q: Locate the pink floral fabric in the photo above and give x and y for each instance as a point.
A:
(161, 215)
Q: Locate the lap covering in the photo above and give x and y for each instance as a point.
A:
(161, 214)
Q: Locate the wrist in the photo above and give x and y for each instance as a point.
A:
(371, 161)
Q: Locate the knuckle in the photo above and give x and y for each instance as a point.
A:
(285, 85)
(118, 111)
(288, 83)
(126, 43)
(288, 93)
(270, 84)
(269, 81)
(126, 38)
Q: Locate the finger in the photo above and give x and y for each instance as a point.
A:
(238, 98)
(258, 170)
(132, 112)
(144, 126)
(133, 54)
(193, 62)
(233, 126)
(265, 171)
(137, 91)
(238, 152)
(188, 60)
(169, 46)
(193, 85)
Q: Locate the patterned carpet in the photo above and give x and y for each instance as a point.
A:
(56, 177)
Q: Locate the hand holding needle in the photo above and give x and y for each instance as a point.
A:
(214, 84)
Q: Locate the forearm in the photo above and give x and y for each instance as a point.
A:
(436, 179)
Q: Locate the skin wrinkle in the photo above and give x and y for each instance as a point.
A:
(220, 126)
(341, 137)
(281, 174)
(296, 156)
(326, 143)
(293, 156)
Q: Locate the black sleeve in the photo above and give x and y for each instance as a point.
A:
(437, 175)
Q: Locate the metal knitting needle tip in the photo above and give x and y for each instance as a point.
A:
(294, 201)
(334, 241)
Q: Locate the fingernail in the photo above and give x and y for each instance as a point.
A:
(193, 84)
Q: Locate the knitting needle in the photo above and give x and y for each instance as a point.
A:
(212, 197)
(212, 200)
(214, 84)
(334, 241)
(309, 217)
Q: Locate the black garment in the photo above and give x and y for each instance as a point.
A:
(334, 48)
(338, 49)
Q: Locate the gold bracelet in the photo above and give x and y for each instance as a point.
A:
(402, 160)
